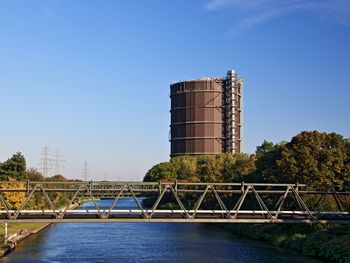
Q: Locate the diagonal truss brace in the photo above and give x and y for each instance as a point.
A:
(221, 203)
(199, 201)
(3, 201)
(70, 202)
(280, 202)
(240, 201)
(301, 202)
(25, 202)
(179, 202)
(156, 203)
(261, 202)
(106, 215)
(144, 215)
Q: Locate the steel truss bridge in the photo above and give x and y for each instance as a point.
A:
(188, 202)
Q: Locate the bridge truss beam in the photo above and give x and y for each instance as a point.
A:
(189, 202)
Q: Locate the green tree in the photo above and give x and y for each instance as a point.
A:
(161, 171)
(314, 158)
(266, 167)
(238, 167)
(185, 168)
(15, 168)
(205, 168)
(209, 168)
(57, 178)
(34, 175)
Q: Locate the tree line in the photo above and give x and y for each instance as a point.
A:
(311, 157)
(14, 170)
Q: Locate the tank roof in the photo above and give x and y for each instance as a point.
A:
(230, 72)
(199, 79)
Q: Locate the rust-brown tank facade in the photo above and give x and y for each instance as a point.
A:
(206, 116)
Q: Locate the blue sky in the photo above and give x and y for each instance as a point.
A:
(91, 78)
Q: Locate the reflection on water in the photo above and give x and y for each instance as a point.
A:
(143, 242)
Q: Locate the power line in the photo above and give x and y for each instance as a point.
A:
(45, 161)
(58, 161)
(85, 171)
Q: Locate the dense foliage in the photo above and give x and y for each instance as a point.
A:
(313, 158)
(328, 242)
(317, 159)
(206, 168)
(14, 170)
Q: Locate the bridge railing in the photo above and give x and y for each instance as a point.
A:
(173, 202)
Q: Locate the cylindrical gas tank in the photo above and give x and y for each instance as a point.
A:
(196, 117)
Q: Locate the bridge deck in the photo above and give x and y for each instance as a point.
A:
(204, 216)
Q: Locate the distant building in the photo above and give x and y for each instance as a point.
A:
(207, 116)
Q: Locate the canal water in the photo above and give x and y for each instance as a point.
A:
(144, 242)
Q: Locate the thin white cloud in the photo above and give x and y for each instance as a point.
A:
(219, 4)
(249, 22)
(336, 9)
(251, 13)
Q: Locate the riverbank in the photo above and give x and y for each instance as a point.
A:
(18, 232)
(330, 243)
